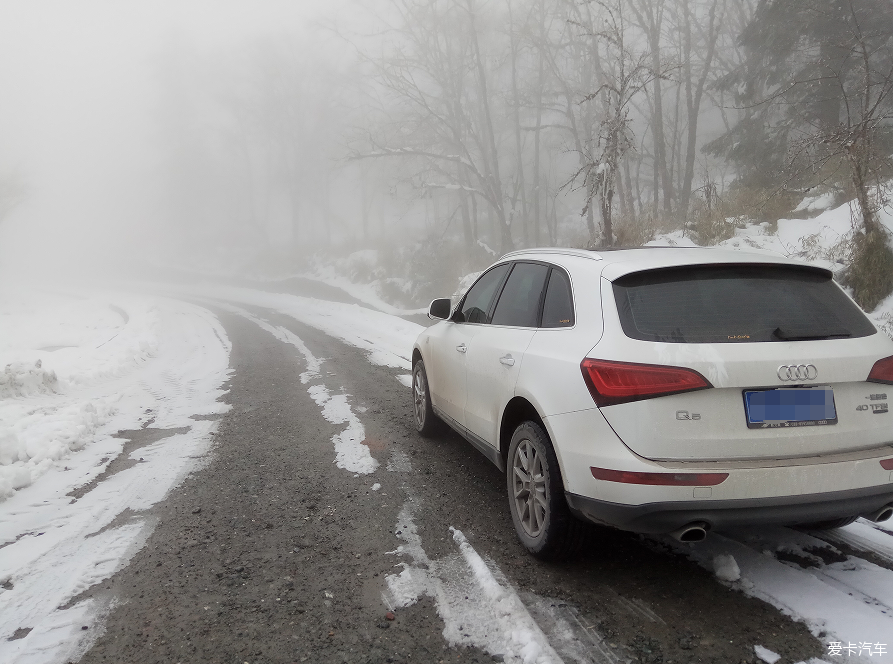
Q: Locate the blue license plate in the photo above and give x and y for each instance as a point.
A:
(790, 407)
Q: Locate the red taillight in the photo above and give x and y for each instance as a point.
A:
(882, 371)
(659, 479)
(887, 464)
(611, 383)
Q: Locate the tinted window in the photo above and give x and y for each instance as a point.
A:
(558, 309)
(736, 303)
(476, 306)
(519, 303)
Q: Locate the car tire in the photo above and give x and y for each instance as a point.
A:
(426, 422)
(830, 524)
(542, 519)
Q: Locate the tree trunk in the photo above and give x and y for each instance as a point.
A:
(606, 197)
(628, 189)
(540, 84)
(857, 154)
(694, 102)
(516, 116)
(505, 234)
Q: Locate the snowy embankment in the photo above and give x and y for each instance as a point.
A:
(77, 369)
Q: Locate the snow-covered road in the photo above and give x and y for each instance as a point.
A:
(128, 362)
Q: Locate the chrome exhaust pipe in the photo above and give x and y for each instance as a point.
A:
(693, 532)
(882, 514)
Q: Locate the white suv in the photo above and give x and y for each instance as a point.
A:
(663, 390)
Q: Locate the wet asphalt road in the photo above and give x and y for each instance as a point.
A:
(271, 553)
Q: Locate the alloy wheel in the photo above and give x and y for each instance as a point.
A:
(419, 392)
(529, 488)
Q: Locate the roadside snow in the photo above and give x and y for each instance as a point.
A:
(816, 203)
(56, 352)
(766, 655)
(366, 293)
(849, 601)
(121, 362)
(386, 339)
(725, 568)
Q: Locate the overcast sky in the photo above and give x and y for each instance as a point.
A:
(76, 117)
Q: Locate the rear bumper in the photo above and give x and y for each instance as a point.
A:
(665, 517)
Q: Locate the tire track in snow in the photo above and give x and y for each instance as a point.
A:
(847, 600)
(480, 608)
(476, 609)
(864, 536)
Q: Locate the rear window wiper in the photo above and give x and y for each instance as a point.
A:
(806, 334)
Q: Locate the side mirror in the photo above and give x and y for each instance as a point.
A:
(440, 308)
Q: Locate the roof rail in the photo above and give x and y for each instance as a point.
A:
(582, 253)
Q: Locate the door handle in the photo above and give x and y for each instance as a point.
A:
(461, 348)
(507, 360)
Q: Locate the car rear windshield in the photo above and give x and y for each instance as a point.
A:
(736, 304)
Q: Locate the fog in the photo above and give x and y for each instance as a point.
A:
(81, 127)
(276, 138)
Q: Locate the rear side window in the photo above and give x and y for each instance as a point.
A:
(519, 303)
(476, 306)
(558, 309)
(736, 304)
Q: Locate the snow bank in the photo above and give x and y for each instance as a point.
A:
(816, 203)
(23, 379)
(122, 362)
(53, 347)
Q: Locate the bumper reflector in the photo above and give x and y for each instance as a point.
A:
(887, 464)
(660, 479)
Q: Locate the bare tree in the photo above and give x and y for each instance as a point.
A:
(438, 106)
(696, 69)
(622, 74)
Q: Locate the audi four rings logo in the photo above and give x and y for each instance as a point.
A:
(797, 372)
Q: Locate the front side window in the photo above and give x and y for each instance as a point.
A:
(519, 304)
(476, 305)
(558, 309)
(742, 303)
